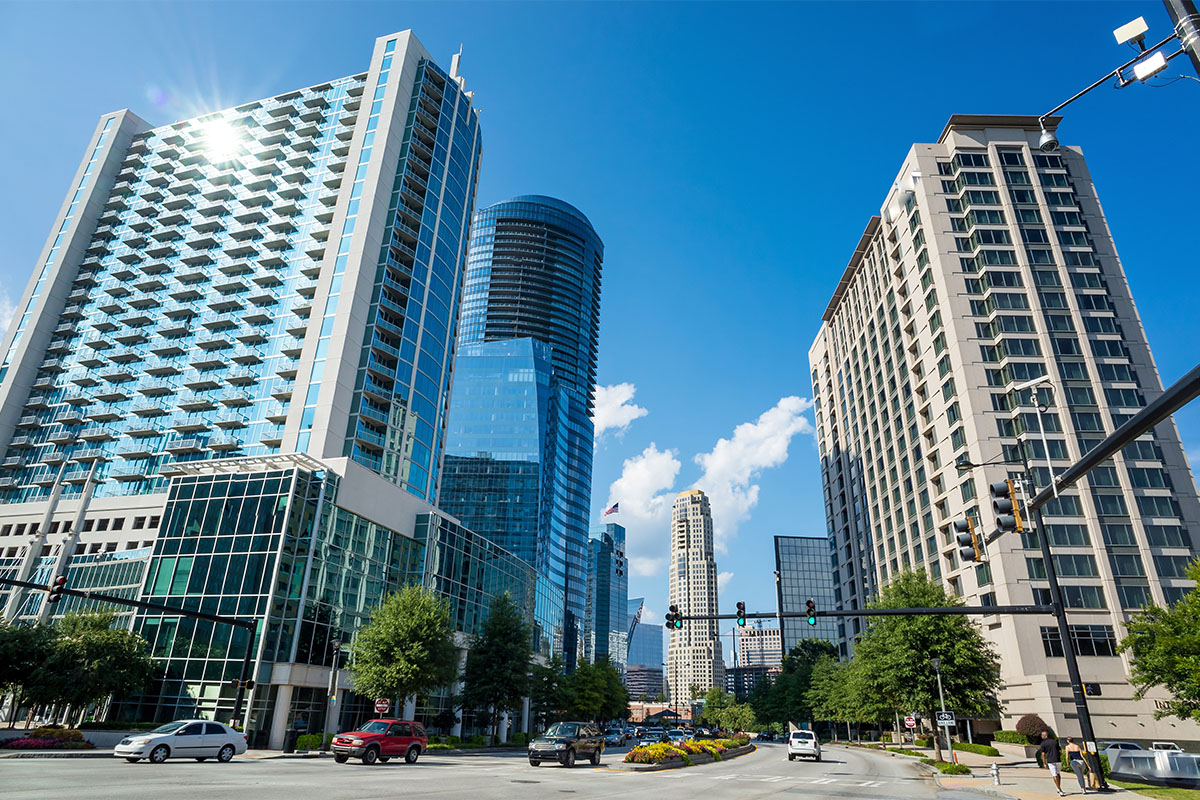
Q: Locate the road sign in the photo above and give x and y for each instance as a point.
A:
(381, 706)
(910, 722)
(946, 718)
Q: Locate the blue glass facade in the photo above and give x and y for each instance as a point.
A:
(803, 563)
(533, 271)
(607, 616)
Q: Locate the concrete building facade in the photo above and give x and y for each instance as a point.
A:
(992, 264)
(693, 651)
(759, 647)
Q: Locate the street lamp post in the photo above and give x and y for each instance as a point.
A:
(937, 667)
(1086, 729)
(331, 698)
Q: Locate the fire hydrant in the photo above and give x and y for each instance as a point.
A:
(995, 771)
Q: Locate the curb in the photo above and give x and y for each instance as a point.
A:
(980, 790)
(736, 752)
(58, 754)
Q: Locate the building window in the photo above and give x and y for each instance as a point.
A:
(1087, 640)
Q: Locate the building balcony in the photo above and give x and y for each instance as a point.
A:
(186, 445)
(196, 402)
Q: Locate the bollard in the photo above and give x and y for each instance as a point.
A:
(995, 771)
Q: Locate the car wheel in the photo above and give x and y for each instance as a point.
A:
(159, 754)
(817, 757)
(412, 755)
(133, 760)
(534, 762)
(791, 757)
(202, 758)
(370, 756)
(596, 758)
(225, 754)
(568, 759)
(341, 758)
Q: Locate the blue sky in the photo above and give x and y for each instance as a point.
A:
(728, 154)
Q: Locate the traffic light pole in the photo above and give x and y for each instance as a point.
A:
(250, 627)
(1064, 633)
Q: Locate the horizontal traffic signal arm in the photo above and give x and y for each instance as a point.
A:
(889, 612)
(108, 598)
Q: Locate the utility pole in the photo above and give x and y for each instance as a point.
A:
(331, 698)
(1187, 27)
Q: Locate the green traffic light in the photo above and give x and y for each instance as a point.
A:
(741, 621)
(812, 620)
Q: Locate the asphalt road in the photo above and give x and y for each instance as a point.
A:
(843, 773)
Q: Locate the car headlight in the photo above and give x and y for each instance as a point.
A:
(356, 742)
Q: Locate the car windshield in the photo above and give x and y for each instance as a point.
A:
(563, 729)
(378, 726)
(170, 726)
(612, 730)
(675, 732)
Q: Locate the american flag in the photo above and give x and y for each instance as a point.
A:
(611, 509)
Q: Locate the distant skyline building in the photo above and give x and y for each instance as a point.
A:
(990, 265)
(644, 670)
(534, 271)
(693, 651)
(759, 647)
(740, 681)
(804, 572)
(607, 611)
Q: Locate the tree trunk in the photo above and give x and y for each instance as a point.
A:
(937, 744)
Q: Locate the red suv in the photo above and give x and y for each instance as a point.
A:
(380, 740)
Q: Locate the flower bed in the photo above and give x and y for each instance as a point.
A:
(48, 739)
(657, 753)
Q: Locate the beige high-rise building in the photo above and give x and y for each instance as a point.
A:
(992, 264)
(693, 651)
(759, 646)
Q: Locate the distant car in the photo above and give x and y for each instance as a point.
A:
(803, 744)
(381, 740)
(655, 735)
(185, 738)
(677, 736)
(766, 736)
(564, 742)
(1108, 746)
(1169, 747)
(613, 737)
(639, 732)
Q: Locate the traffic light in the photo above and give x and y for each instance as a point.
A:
(674, 618)
(968, 540)
(56, 589)
(1004, 503)
(811, 608)
(741, 614)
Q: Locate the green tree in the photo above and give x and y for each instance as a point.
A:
(891, 671)
(24, 650)
(407, 647)
(1164, 644)
(785, 699)
(496, 675)
(616, 696)
(547, 692)
(734, 718)
(829, 695)
(716, 700)
(661, 697)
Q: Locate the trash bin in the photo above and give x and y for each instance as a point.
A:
(289, 740)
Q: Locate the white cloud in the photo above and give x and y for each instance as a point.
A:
(733, 464)
(643, 490)
(615, 409)
(7, 309)
(649, 616)
(723, 579)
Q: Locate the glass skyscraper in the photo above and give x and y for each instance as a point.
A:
(803, 564)
(533, 272)
(607, 616)
(227, 383)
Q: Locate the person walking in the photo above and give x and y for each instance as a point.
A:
(1077, 762)
(1052, 758)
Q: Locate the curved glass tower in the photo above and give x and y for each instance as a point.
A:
(533, 272)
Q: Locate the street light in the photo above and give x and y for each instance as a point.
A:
(331, 698)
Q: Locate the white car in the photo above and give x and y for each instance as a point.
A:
(1169, 747)
(677, 736)
(804, 744)
(186, 738)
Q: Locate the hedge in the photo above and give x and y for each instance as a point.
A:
(947, 768)
(117, 725)
(981, 749)
(1010, 737)
(312, 741)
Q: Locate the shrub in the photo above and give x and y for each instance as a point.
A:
(520, 738)
(440, 747)
(312, 741)
(927, 761)
(947, 768)
(1031, 726)
(477, 741)
(1010, 737)
(923, 742)
(981, 749)
(56, 732)
(454, 741)
(902, 751)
